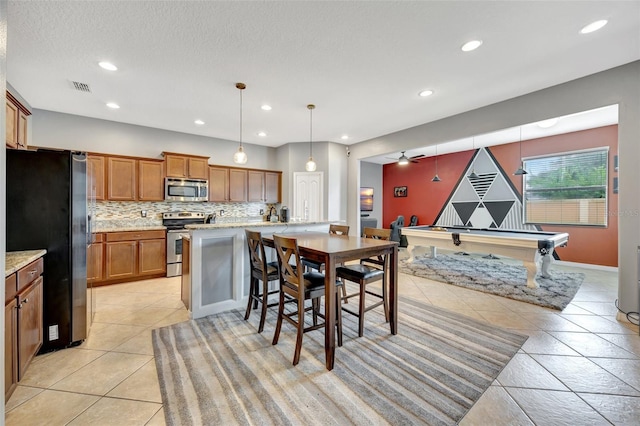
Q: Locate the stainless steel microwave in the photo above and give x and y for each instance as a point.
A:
(183, 189)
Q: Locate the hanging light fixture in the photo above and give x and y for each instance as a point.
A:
(240, 157)
(521, 171)
(473, 174)
(311, 165)
(436, 178)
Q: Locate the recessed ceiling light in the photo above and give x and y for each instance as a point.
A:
(113, 105)
(545, 124)
(108, 66)
(594, 26)
(266, 107)
(199, 122)
(426, 93)
(262, 134)
(471, 45)
(344, 137)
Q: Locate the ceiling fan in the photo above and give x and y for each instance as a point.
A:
(403, 159)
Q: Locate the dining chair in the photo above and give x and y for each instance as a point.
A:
(369, 270)
(261, 272)
(301, 286)
(319, 266)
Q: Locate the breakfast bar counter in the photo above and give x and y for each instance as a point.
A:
(219, 262)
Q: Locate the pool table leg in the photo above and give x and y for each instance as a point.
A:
(532, 270)
(410, 251)
(546, 262)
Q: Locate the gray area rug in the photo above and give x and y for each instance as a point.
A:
(497, 277)
(219, 371)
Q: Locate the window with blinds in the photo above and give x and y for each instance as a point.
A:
(567, 189)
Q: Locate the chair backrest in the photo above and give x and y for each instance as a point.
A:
(413, 221)
(291, 270)
(395, 228)
(257, 256)
(378, 234)
(339, 229)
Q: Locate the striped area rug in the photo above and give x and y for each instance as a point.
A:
(219, 371)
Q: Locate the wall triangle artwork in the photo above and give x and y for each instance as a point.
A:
(486, 201)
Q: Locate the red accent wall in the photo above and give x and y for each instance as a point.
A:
(594, 245)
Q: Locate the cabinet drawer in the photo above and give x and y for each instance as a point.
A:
(10, 288)
(98, 238)
(29, 273)
(134, 235)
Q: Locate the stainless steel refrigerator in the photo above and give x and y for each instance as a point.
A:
(47, 209)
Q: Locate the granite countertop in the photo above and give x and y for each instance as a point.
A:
(248, 224)
(125, 228)
(15, 260)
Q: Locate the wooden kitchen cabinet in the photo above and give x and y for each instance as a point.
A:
(96, 175)
(273, 187)
(255, 188)
(237, 185)
(218, 183)
(131, 255)
(185, 283)
(187, 166)
(121, 259)
(29, 325)
(17, 123)
(152, 257)
(122, 179)
(23, 334)
(264, 186)
(95, 259)
(10, 347)
(150, 180)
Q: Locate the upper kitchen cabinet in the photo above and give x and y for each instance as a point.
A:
(188, 166)
(122, 178)
(237, 185)
(127, 179)
(264, 186)
(150, 180)
(218, 183)
(96, 176)
(17, 123)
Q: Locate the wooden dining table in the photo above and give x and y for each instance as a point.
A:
(334, 250)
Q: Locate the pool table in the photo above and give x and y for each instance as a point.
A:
(528, 246)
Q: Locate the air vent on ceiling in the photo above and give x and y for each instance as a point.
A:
(82, 87)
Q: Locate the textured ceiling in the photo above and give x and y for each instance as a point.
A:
(361, 63)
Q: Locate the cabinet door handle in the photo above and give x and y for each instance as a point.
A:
(26, 300)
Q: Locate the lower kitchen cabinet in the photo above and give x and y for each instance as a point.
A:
(185, 290)
(23, 312)
(152, 257)
(133, 255)
(95, 259)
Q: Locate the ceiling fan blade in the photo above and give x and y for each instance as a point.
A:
(417, 156)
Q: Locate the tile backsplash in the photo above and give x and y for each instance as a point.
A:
(131, 210)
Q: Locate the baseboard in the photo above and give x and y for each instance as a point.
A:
(587, 266)
(622, 317)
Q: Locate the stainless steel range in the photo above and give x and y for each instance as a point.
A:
(175, 223)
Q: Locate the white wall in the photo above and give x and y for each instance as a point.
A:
(3, 171)
(620, 85)
(330, 158)
(66, 131)
(371, 177)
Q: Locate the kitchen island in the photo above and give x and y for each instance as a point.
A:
(219, 262)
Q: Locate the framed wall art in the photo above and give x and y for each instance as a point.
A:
(400, 191)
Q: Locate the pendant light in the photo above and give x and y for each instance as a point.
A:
(436, 178)
(240, 157)
(311, 165)
(521, 171)
(473, 174)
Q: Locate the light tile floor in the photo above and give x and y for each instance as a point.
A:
(579, 366)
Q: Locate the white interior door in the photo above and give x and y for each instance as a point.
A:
(307, 196)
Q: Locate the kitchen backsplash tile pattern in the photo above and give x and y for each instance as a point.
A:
(131, 211)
